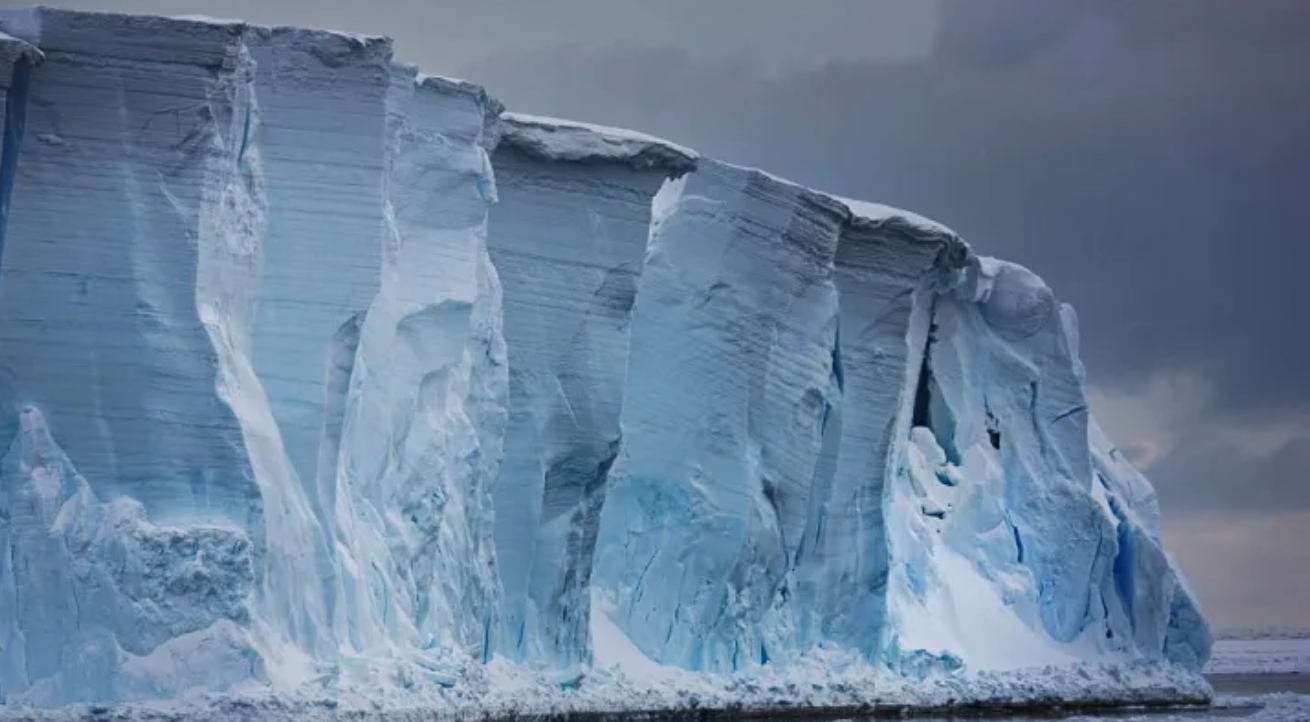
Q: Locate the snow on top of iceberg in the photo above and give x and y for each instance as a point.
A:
(100, 20)
(330, 46)
(208, 19)
(861, 213)
(804, 193)
(879, 214)
(134, 38)
(458, 86)
(570, 140)
(358, 39)
(12, 49)
(333, 48)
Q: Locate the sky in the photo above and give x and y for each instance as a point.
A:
(1151, 160)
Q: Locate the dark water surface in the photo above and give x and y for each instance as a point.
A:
(1203, 714)
(1232, 685)
(1249, 685)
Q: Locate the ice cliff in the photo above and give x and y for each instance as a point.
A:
(320, 374)
(569, 247)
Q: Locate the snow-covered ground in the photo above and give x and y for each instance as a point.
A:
(1260, 656)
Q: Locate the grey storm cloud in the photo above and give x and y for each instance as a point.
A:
(1154, 173)
(1151, 160)
(1270, 483)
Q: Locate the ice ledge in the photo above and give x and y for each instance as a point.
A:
(857, 215)
(877, 215)
(558, 139)
(492, 108)
(332, 48)
(136, 36)
(456, 86)
(121, 36)
(569, 140)
(12, 50)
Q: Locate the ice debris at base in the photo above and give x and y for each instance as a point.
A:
(322, 378)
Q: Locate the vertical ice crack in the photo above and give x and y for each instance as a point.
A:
(15, 125)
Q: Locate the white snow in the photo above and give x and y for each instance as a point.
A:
(208, 19)
(612, 650)
(575, 141)
(969, 618)
(879, 213)
(11, 50)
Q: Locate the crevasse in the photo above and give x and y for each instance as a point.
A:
(322, 376)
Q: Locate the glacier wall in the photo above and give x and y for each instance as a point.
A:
(100, 305)
(732, 360)
(414, 442)
(327, 92)
(889, 266)
(119, 321)
(17, 58)
(568, 241)
(319, 375)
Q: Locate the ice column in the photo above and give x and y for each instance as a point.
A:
(122, 322)
(887, 271)
(1050, 513)
(131, 119)
(323, 108)
(567, 238)
(421, 432)
(17, 58)
(730, 378)
(322, 127)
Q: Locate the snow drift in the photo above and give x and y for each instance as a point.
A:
(321, 376)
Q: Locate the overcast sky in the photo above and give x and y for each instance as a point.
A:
(1150, 159)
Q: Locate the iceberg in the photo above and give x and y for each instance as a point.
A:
(330, 385)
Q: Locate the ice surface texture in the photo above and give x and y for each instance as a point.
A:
(568, 241)
(733, 357)
(318, 373)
